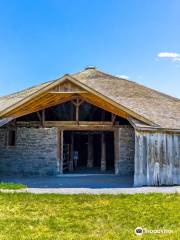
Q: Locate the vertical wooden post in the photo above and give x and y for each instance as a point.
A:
(116, 151)
(58, 150)
(61, 151)
(71, 167)
(43, 118)
(113, 118)
(77, 110)
(90, 160)
(77, 104)
(103, 153)
(71, 111)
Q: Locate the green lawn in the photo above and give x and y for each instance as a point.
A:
(11, 186)
(28, 216)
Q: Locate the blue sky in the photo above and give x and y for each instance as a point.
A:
(44, 39)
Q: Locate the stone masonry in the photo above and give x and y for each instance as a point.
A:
(125, 165)
(35, 152)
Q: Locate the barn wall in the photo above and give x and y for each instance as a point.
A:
(35, 152)
(125, 142)
(157, 158)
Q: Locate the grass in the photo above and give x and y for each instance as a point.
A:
(11, 186)
(75, 217)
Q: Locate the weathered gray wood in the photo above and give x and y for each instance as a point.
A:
(61, 151)
(140, 173)
(71, 167)
(103, 153)
(90, 160)
(161, 164)
(43, 118)
(39, 116)
(176, 163)
(116, 151)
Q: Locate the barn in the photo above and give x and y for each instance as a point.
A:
(91, 122)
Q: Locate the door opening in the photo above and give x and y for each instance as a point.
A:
(88, 152)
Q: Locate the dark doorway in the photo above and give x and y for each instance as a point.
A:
(76, 151)
(109, 138)
(80, 146)
(97, 150)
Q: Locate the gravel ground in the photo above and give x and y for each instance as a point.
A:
(87, 184)
(145, 190)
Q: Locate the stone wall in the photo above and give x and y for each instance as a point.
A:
(126, 145)
(35, 152)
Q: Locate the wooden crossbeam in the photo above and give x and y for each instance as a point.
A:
(77, 102)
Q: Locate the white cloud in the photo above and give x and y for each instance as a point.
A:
(170, 55)
(123, 76)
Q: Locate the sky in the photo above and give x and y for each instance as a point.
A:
(42, 40)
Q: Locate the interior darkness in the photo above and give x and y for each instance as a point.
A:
(109, 138)
(11, 138)
(62, 112)
(67, 111)
(29, 117)
(88, 112)
(81, 145)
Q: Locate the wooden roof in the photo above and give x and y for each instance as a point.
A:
(140, 102)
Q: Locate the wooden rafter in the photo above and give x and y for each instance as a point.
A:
(15, 110)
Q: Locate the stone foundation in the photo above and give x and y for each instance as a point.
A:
(35, 152)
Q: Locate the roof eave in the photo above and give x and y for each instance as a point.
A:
(5, 112)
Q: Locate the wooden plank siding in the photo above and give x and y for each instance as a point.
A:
(157, 158)
(67, 86)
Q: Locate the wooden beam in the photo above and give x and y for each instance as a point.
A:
(39, 116)
(73, 92)
(28, 124)
(58, 149)
(67, 123)
(116, 151)
(103, 152)
(71, 125)
(77, 104)
(61, 151)
(113, 118)
(77, 110)
(71, 165)
(43, 92)
(45, 101)
(88, 128)
(43, 118)
(35, 97)
(90, 160)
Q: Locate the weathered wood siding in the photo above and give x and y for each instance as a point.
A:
(157, 158)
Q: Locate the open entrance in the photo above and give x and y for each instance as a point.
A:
(88, 152)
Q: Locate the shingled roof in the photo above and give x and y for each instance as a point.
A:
(159, 108)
